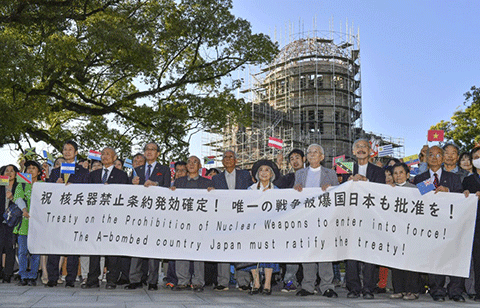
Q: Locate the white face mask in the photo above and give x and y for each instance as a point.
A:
(476, 163)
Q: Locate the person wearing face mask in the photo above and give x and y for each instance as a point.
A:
(471, 184)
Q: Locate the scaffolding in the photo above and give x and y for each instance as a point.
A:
(310, 93)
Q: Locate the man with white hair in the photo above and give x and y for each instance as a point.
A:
(316, 176)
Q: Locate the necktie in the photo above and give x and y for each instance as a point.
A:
(105, 175)
(149, 170)
(435, 181)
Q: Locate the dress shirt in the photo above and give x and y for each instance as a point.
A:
(230, 179)
(313, 177)
(109, 171)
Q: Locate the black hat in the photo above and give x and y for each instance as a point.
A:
(265, 162)
(34, 163)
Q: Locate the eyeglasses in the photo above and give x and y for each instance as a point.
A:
(435, 155)
(151, 149)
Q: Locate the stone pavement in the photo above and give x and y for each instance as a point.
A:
(12, 296)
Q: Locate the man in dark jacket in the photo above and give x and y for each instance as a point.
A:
(107, 175)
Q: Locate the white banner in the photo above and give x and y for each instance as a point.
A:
(376, 223)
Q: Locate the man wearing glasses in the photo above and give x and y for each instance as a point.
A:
(363, 171)
(150, 174)
(446, 182)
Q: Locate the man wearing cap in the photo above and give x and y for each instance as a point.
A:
(316, 176)
(70, 151)
(107, 175)
(231, 178)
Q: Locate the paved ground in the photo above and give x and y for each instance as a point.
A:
(15, 296)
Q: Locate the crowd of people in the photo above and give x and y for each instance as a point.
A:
(452, 172)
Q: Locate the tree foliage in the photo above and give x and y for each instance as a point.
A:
(122, 71)
(464, 127)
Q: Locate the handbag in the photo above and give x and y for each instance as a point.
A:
(13, 215)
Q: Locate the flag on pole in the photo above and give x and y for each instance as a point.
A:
(48, 157)
(426, 186)
(275, 143)
(24, 178)
(374, 146)
(29, 153)
(411, 160)
(385, 150)
(67, 168)
(435, 135)
(128, 163)
(338, 159)
(345, 167)
(94, 155)
(4, 179)
(208, 160)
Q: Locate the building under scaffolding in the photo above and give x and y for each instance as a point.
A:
(310, 93)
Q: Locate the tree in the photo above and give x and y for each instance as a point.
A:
(464, 127)
(123, 71)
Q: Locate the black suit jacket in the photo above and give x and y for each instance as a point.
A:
(286, 181)
(202, 182)
(472, 184)
(80, 175)
(160, 174)
(448, 179)
(374, 173)
(243, 180)
(116, 176)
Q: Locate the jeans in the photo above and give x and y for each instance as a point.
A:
(23, 256)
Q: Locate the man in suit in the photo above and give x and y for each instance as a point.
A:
(451, 154)
(107, 175)
(446, 182)
(231, 178)
(150, 174)
(316, 176)
(363, 171)
(70, 151)
(192, 181)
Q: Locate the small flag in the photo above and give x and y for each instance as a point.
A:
(48, 157)
(24, 178)
(275, 143)
(128, 163)
(344, 167)
(4, 179)
(385, 150)
(44, 175)
(374, 146)
(94, 155)
(435, 135)
(411, 160)
(209, 160)
(204, 172)
(414, 171)
(172, 165)
(338, 159)
(67, 168)
(30, 152)
(426, 186)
